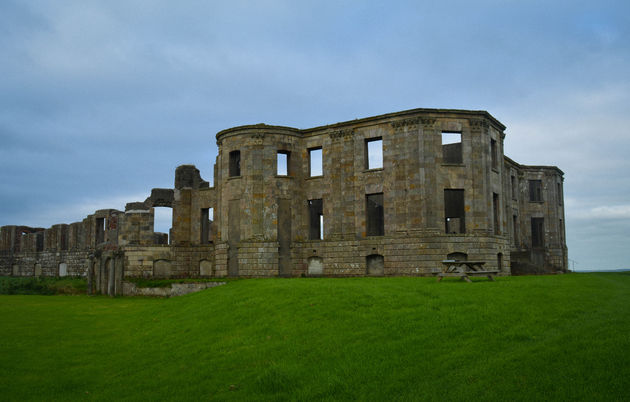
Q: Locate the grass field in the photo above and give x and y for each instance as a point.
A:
(561, 337)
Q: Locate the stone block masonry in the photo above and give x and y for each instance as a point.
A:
(393, 194)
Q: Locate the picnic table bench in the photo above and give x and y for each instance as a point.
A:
(464, 269)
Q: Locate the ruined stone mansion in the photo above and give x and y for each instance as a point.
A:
(393, 194)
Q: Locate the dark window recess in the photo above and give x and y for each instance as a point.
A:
(235, 163)
(515, 228)
(205, 224)
(39, 241)
(100, 230)
(452, 148)
(63, 240)
(375, 217)
(500, 261)
(493, 154)
(538, 232)
(561, 232)
(316, 219)
(454, 212)
(495, 209)
(514, 187)
(283, 163)
(373, 153)
(535, 191)
(559, 193)
(315, 162)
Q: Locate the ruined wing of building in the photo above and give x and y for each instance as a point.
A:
(393, 194)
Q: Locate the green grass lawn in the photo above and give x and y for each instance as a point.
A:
(563, 337)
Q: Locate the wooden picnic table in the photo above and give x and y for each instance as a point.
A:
(464, 269)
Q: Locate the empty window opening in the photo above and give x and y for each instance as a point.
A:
(538, 232)
(63, 241)
(493, 154)
(235, 163)
(283, 163)
(454, 211)
(162, 221)
(100, 230)
(559, 192)
(452, 147)
(375, 214)
(515, 229)
(316, 219)
(495, 208)
(535, 191)
(205, 225)
(315, 167)
(500, 262)
(375, 265)
(514, 187)
(374, 153)
(39, 241)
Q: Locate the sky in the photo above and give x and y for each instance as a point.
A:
(101, 100)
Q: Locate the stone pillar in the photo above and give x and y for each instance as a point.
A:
(428, 171)
(111, 277)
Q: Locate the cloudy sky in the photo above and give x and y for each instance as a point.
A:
(101, 100)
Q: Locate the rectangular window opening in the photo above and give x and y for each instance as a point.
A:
(39, 241)
(374, 153)
(493, 154)
(495, 208)
(315, 167)
(100, 230)
(454, 211)
(538, 232)
(535, 191)
(452, 147)
(283, 163)
(375, 214)
(64, 240)
(559, 192)
(205, 225)
(235, 163)
(316, 219)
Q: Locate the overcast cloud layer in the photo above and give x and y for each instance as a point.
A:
(101, 100)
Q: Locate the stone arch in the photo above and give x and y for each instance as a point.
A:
(161, 268)
(375, 265)
(63, 269)
(457, 256)
(206, 268)
(315, 266)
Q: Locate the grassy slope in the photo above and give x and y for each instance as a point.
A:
(523, 338)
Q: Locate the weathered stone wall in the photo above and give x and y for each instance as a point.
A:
(45, 263)
(255, 221)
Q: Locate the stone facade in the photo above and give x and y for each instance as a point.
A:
(387, 195)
